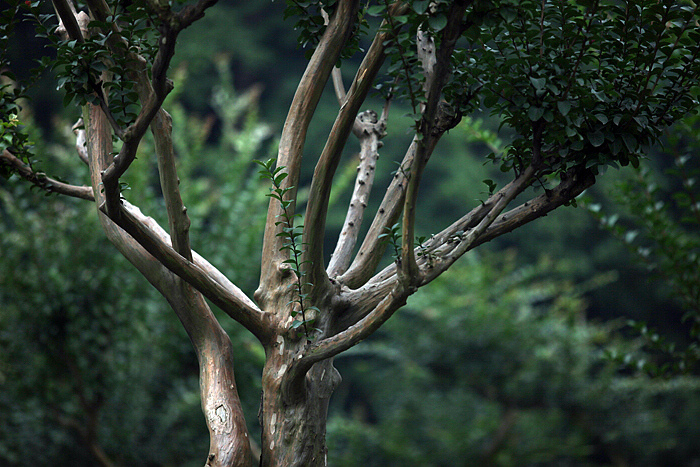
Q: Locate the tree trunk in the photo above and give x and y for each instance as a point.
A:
(294, 428)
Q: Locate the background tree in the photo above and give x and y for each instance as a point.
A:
(580, 86)
(657, 219)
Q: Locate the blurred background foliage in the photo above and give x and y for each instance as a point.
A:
(522, 355)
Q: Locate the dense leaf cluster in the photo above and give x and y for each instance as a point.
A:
(581, 82)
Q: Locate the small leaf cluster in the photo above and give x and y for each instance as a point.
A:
(392, 236)
(423, 250)
(586, 82)
(12, 136)
(405, 72)
(98, 68)
(311, 25)
(293, 244)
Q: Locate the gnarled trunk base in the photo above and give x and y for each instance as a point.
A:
(294, 434)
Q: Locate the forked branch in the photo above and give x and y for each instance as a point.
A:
(316, 211)
(482, 224)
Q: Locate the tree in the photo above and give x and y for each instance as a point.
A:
(580, 86)
(657, 216)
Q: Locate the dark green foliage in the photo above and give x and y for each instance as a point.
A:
(496, 366)
(79, 349)
(596, 81)
(12, 137)
(658, 220)
(84, 336)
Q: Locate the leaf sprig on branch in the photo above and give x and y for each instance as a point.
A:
(293, 244)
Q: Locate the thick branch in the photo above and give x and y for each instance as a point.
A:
(296, 125)
(231, 302)
(436, 68)
(155, 241)
(229, 443)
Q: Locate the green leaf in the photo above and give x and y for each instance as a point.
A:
(376, 10)
(420, 6)
(630, 142)
(437, 23)
(596, 138)
(538, 83)
(535, 113)
(564, 107)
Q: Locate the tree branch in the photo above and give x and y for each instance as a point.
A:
(227, 297)
(68, 22)
(372, 249)
(436, 69)
(576, 182)
(294, 131)
(42, 181)
(497, 203)
(220, 401)
(191, 13)
(336, 75)
(317, 208)
(155, 234)
(178, 221)
(369, 129)
(359, 302)
(155, 241)
(447, 246)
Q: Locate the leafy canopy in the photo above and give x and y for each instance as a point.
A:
(578, 82)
